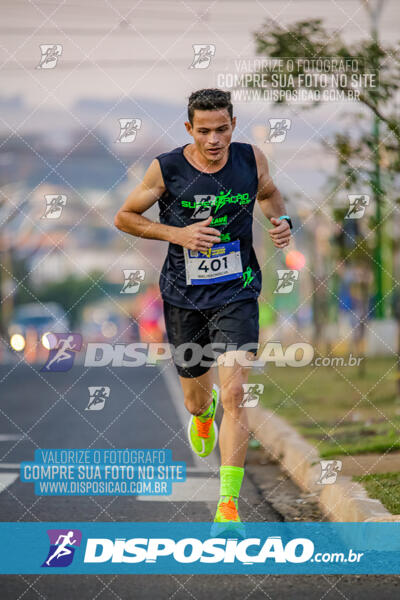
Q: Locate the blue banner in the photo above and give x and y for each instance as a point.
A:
(179, 548)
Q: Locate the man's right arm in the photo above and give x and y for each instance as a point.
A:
(129, 218)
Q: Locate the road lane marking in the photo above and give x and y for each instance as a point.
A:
(7, 479)
(11, 437)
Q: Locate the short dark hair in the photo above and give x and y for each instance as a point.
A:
(209, 99)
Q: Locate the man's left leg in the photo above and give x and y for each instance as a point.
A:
(234, 433)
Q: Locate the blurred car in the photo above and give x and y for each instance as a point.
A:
(108, 326)
(34, 321)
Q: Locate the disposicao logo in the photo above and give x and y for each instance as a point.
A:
(63, 543)
(190, 550)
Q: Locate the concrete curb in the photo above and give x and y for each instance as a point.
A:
(343, 501)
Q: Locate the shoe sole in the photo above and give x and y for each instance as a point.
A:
(214, 425)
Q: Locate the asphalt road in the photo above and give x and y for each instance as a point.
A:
(144, 410)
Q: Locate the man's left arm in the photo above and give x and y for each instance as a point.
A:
(271, 202)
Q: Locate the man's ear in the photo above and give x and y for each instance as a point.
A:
(188, 127)
(233, 123)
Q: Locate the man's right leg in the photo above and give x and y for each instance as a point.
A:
(185, 327)
(197, 392)
(201, 400)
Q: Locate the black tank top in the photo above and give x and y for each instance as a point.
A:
(228, 196)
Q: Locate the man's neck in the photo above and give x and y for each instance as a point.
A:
(202, 163)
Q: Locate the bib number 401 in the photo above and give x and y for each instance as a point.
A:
(215, 264)
(221, 263)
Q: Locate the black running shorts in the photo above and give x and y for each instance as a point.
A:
(230, 326)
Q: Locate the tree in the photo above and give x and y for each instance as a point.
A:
(359, 158)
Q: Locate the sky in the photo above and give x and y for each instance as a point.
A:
(114, 50)
(150, 55)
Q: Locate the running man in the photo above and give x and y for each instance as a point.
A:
(211, 279)
(62, 549)
(62, 352)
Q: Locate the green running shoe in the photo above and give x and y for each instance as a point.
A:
(227, 521)
(203, 431)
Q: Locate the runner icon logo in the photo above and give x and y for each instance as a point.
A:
(329, 471)
(358, 204)
(286, 280)
(247, 276)
(50, 55)
(128, 129)
(203, 54)
(98, 396)
(133, 279)
(63, 347)
(204, 204)
(54, 206)
(251, 394)
(278, 129)
(63, 543)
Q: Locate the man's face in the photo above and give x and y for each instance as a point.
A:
(212, 132)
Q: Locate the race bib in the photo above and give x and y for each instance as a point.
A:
(220, 263)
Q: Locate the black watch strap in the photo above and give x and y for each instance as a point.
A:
(288, 219)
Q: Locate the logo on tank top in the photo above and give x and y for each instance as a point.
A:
(203, 203)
